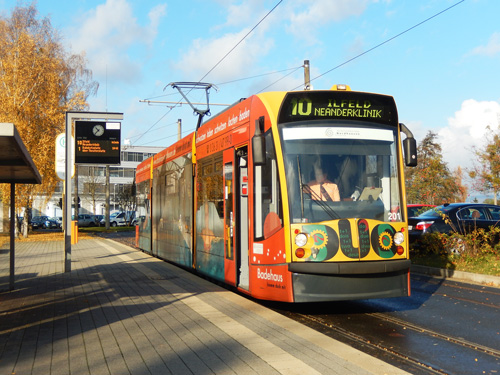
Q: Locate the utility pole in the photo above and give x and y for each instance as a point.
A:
(179, 129)
(307, 78)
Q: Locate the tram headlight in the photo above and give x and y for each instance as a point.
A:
(301, 239)
(399, 238)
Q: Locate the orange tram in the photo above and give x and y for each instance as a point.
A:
(239, 200)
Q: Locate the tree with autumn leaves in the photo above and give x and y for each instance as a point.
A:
(39, 82)
(486, 175)
(431, 182)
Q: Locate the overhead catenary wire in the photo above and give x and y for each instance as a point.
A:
(295, 69)
(384, 42)
(275, 82)
(260, 75)
(236, 45)
(152, 126)
(167, 137)
(161, 127)
(242, 39)
(222, 59)
(151, 101)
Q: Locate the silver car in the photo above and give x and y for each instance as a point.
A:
(85, 220)
(116, 219)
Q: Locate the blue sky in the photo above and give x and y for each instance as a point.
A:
(443, 73)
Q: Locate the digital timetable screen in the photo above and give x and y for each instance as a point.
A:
(97, 142)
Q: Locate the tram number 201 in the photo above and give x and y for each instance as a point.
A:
(394, 216)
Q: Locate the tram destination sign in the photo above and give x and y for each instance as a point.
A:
(97, 142)
(338, 105)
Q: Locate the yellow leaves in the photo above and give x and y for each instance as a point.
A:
(39, 82)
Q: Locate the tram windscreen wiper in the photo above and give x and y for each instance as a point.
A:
(321, 203)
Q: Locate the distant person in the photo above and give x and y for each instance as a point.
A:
(322, 189)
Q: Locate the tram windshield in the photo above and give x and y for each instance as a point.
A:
(337, 172)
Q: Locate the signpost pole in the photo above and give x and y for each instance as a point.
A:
(67, 194)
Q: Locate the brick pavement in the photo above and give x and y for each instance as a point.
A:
(123, 312)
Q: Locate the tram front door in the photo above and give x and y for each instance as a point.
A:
(236, 217)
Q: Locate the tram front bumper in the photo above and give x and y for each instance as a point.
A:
(314, 282)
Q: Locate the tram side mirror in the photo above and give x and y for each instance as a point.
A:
(410, 151)
(259, 143)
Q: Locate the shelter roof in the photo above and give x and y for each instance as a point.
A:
(16, 165)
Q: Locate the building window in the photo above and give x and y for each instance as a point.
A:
(134, 156)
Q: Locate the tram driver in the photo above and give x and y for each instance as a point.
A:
(321, 188)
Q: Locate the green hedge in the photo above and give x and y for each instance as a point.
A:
(477, 243)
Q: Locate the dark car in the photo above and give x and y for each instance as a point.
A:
(461, 218)
(38, 221)
(51, 223)
(416, 209)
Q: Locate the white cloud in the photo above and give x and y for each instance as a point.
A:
(466, 130)
(108, 32)
(301, 15)
(246, 13)
(490, 49)
(321, 12)
(204, 54)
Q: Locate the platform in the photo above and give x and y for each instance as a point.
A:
(121, 311)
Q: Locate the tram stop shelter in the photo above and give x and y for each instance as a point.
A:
(16, 167)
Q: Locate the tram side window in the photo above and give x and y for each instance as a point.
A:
(169, 198)
(210, 203)
(267, 198)
(178, 195)
(142, 200)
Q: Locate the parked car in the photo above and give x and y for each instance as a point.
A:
(86, 220)
(463, 217)
(51, 223)
(130, 218)
(38, 221)
(415, 209)
(115, 219)
(98, 219)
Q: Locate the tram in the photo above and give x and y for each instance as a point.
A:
(287, 196)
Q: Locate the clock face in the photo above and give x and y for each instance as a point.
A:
(98, 130)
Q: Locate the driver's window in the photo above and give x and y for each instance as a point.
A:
(267, 195)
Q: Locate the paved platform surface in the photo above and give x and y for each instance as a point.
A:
(120, 311)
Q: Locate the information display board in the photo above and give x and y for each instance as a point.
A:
(97, 142)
